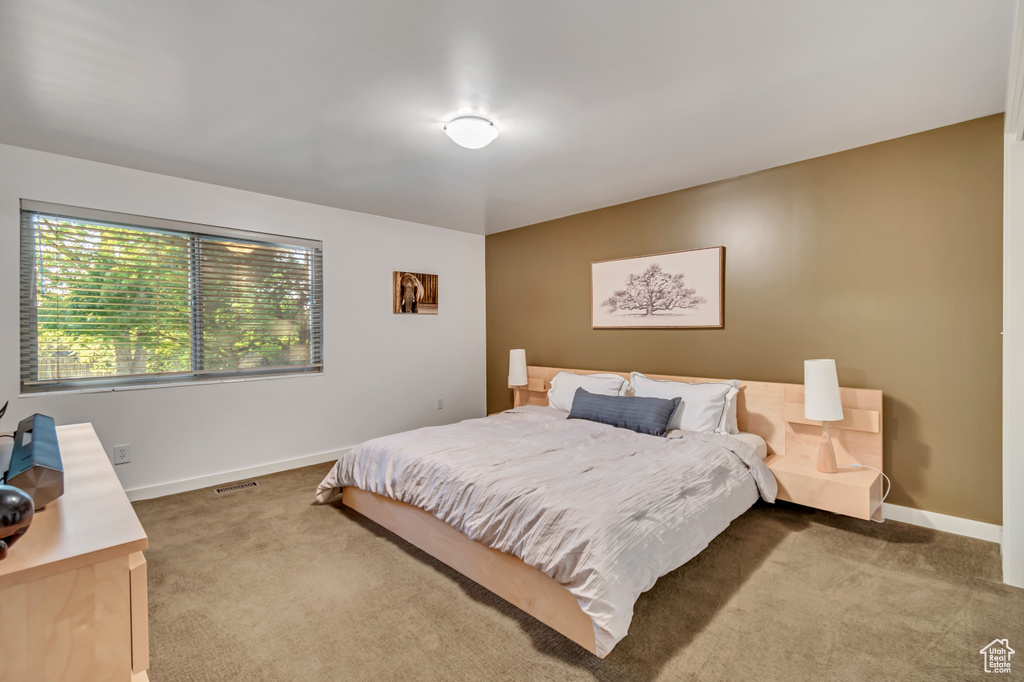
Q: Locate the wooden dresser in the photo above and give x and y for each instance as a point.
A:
(73, 602)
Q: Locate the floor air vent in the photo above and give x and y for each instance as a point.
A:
(235, 488)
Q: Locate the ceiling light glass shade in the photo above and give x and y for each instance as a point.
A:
(471, 132)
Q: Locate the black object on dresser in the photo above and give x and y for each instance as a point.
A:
(16, 512)
(35, 465)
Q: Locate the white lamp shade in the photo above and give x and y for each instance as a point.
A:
(517, 367)
(471, 132)
(821, 391)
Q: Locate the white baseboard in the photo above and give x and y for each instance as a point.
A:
(173, 487)
(943, 522)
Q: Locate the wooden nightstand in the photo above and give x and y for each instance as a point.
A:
(853, 492)
(857, 439)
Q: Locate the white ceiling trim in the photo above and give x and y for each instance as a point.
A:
(1015, 85)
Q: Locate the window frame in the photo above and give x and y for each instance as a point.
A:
(28, 331)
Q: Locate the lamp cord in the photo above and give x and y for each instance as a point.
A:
(888, 483)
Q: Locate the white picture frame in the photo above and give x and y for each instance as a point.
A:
(676, 290)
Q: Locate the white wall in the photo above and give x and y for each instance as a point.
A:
(1013, 361)
(383, 372)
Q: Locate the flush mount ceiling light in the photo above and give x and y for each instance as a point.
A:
(471, 132)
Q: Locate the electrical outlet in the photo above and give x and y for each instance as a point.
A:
(122, 454)
(440, 403)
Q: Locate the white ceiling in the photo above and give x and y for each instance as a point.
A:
(342, 103)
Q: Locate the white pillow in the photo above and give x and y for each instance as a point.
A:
(751, 439)
(707, 407)
(760, 446)
(564, 385)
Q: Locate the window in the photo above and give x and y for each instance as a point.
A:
(110, 299)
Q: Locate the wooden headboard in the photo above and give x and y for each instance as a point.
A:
(773, 411)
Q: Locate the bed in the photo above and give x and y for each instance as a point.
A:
(570, 520)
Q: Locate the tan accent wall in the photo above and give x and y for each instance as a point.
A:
(886, 257)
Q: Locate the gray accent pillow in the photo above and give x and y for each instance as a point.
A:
(643, 415)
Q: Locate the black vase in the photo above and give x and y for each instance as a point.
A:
(16, 510)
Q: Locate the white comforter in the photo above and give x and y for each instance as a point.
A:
(604, 511)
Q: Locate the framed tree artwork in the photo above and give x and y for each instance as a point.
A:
(679, 290)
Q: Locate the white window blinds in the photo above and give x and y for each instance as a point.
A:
(112, 299)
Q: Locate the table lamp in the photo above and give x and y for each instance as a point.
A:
(517, 377)
(822, 403)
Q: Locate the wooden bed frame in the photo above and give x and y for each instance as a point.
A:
(772, 411)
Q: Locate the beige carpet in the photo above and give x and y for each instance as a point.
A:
(262, 585)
